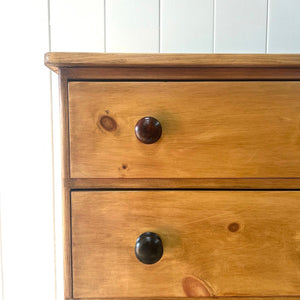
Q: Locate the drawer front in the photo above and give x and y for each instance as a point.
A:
(219, 243)
(209, 129)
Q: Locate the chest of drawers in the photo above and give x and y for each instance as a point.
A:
(181, 175)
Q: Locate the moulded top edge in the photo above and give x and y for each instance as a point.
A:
(57, 60)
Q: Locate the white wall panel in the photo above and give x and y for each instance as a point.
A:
(240, 26)
(26, 158)
(186, 26)
(77, 26)
(284, 26)
(132, 26)
(1, 262)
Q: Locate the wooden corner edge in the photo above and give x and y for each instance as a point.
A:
(48, 63)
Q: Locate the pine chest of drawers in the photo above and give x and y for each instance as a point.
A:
(181, 175)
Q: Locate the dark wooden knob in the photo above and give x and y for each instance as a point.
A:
(149, 248)
(148, 130)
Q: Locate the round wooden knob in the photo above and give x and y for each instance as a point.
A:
(149, 248)
(148, 130)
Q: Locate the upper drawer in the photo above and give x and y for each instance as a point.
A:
(209, 129)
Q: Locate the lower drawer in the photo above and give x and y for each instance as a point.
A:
(223, 243)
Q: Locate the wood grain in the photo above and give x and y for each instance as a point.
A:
(241, 243)
(183, 183)
(199, 298)
(55, 60)
(237, 244)
(183, 73)
(66, 193)
(209, 129)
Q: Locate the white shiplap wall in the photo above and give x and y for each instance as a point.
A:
(182, 26)
(26, 192)
(31, 262)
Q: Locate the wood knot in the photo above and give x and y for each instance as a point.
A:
(108, 123)
(195, 287)
(233, 227)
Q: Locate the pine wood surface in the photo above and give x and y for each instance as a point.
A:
(181, 73)
(66, 192)
(183, 183)
(210, 129)
(56, 60)
(274, 225)
(199, 298)
(223, 243)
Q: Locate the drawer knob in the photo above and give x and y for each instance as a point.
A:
(149, 248)
(148, 130)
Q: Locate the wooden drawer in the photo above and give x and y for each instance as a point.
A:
(212, 129)
(230, 127)
(219, 243)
